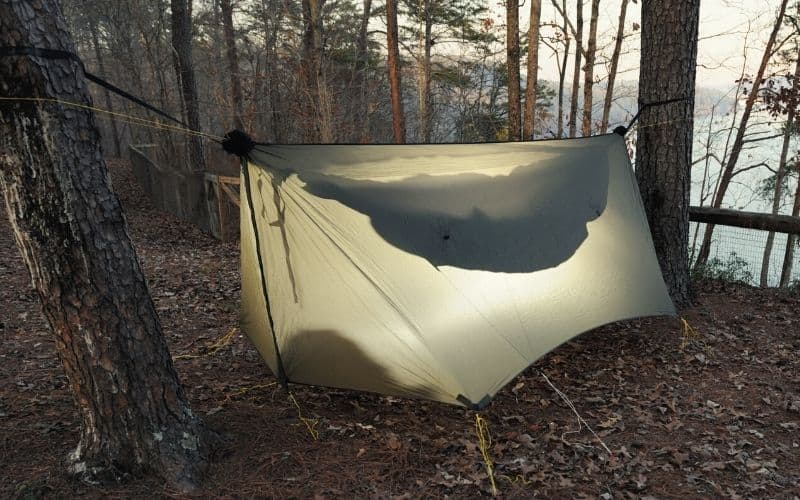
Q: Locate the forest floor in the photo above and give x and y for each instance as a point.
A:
(716, 414)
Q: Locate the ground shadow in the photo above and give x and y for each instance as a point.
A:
(531, 219)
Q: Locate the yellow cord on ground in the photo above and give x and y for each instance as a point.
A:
(516, 479)
(484, 442)
(688, 333)
(309, 422)
(212, 349)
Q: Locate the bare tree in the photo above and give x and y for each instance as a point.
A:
(576, 73)
(664, 154)
(98, 52)
(788, 129)
(70, 229)
(424, 72)
(791, 242)
(184, 69)
(588, 71)
(612, 72)
(226, 6)
(533, 70)
(393, 68)
(313, 60)
(512, 66)
(736, 149)
(362, 66)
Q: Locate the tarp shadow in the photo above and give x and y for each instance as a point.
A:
(531, 219)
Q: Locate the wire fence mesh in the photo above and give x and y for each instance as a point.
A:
(738, 253)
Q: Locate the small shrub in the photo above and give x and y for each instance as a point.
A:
(734, 269)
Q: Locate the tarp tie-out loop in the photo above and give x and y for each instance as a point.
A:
(623, 130)
(63, 54)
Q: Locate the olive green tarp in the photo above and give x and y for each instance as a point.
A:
(439, 271)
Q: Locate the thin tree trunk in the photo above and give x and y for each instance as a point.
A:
(791, 242)
(612, 72)
(512, 67)
(362, 67)
(393, 68)
(780, 175)
(532, 71)
(226, 7)
(272, 19)
(562, 74)
(588, 72)
(98, 52)
(321, 106)
(424, 75)
(736, 149)
(576, 72)
(184, 68)
(70, 229)
(664, 154)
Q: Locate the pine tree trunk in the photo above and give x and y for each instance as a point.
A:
(424, 75)
(664, 154)
(233, 62)
(532, 71)
(70, 229)
(576, 72)
(393, 68)
(588, 72)
(184, 68)
(736, 149)
(512, 67)
(612, 72)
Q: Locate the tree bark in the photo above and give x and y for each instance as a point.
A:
(612, 72)
(791, 242)
(576, 72)
(588, 71)
(393, 68)
(322, 107)
(226, 6)
(664, 154)
(736, 149)
(70, 229)
(98, 53)
(512, 68)
(780, 175)
(362, 67)
(562, 74)
(184, 68)
(424, 74)
(532, 71)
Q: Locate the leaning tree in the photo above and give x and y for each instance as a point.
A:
(69, 227)
(664, 142)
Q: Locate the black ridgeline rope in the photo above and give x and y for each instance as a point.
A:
(63, 54)
(622, 130)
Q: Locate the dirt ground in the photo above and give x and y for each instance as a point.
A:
(716, 414)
